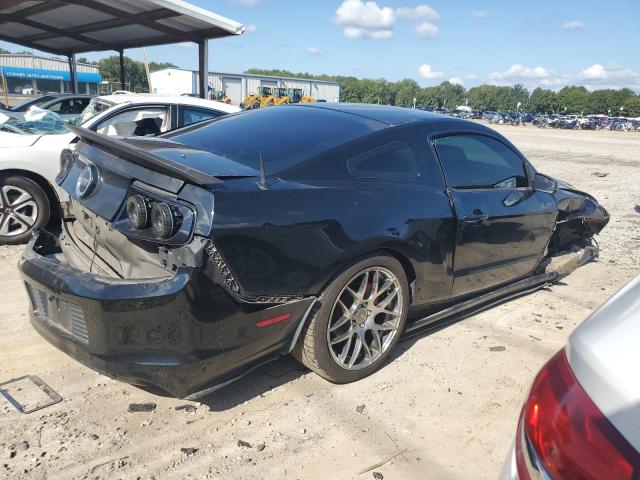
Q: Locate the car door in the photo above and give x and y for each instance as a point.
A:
(503, 225)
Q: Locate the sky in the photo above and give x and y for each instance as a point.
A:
(543, 43)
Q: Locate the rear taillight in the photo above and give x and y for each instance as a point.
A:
(563, 435)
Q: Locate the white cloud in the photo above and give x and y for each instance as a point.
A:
(426, 72)
(572, 25)
(427, 30)
(456, 80)
(471, 76)
(594, 72)
(380, 34)
(185, 45)
(421, 12)
(247, 3)
(593, 77)
(251, 28)
(480, 13)
(356, 13)
(615, 76)
(367, 19)
(314, 51)
(519, 72)
(355, 32)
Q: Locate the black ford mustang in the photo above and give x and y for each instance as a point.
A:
(323, 230)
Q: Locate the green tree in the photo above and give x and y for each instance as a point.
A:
(632, 106)
(573, 100)
(542, 101)
(133, 72)
(154, 66)
(452, 94)
(404, 92)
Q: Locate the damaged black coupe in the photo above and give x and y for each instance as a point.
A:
(326, 231)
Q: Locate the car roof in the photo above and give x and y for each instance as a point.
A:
(392, 116)
(168, 99)
(603, 353)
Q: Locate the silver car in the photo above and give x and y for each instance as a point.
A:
(581, 419)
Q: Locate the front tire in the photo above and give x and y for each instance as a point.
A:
(24, 207)
(358, 323)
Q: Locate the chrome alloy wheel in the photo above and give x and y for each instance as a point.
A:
(365, 318)
(18, 211)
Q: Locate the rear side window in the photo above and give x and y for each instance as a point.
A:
(69, 106)
(393, 160)
(191, 115)
(476, 161)
(283, 137)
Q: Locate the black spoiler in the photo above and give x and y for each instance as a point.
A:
(143, 158)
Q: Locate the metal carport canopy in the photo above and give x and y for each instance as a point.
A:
(68, 27)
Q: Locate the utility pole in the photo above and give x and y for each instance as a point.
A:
(146, 69)
(5, 88)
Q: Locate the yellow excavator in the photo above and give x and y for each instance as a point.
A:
(298, 96)
(283, 96)
(258, 100)
(270, 96)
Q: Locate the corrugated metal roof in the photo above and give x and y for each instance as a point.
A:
(66, 27)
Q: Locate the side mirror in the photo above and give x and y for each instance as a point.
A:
(542, 183)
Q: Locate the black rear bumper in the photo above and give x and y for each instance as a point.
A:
(182, 333)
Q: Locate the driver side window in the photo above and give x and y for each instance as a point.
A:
(476, 161)
(136, 123)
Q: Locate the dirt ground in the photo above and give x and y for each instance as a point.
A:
(445, 406)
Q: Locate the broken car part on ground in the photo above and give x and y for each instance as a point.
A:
(326, 230)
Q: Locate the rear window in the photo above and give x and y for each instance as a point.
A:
(282, 136)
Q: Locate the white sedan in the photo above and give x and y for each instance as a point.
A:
(31, 143)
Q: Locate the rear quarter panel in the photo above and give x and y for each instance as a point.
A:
(294, 238)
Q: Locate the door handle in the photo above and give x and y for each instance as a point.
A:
(477, 217)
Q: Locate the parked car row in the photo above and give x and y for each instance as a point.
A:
(592, 122)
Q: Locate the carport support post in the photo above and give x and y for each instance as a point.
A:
(73, 72)
(121, 53)
(203, 68)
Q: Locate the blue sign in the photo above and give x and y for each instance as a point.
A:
(32, 73)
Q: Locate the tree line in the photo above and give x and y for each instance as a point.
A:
(134, 73)
(569, 100)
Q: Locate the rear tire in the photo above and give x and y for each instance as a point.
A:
(358, 322)
(24, 207)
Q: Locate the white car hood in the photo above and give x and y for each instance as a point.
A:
(604, 353)
(59, 141)
(13, 140)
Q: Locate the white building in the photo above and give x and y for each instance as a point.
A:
(175, 81)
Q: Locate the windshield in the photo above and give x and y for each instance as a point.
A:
(35, 122)
(96, 106)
